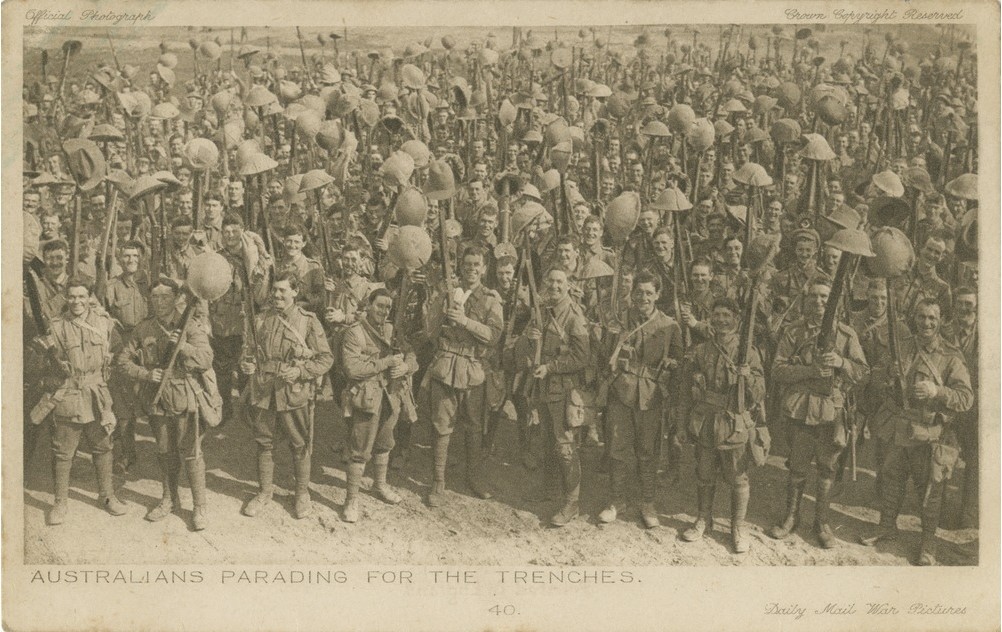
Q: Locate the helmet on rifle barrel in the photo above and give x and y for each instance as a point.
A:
(209, 276)
(410, 248)
(893, 253)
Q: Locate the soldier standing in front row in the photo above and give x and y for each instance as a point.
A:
(642, 363)
(937, 387)
(813, 395)
(176, 419)
(565, 342)
(721, 434)
(465, 332)
(79, 344)
(378, 388)
(284, 358)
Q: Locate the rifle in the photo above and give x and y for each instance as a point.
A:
(101, 262)
(537, 315)
(111, 43)
(35, 302)
(172, 352)
(302, 53)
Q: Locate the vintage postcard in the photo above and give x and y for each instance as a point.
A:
(458, 315)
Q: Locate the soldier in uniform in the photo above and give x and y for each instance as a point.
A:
(564, 341)
(378, 376)
(814, 387)
(229, 321)
(936, 388)
(721, 434)
(308, 271)
(77, 396)
(642, 363)
(176, 418)
(465, 332)
(788, 285)
(697, 306)
(923, 281)
(962, 332)
(127, 304)
(291, 353)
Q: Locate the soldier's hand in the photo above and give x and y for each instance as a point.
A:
(45, 342)
(832, 360)
(398, 370)
(416, 276)
(744, 370)
(925, 390)
(533, 333)
(330, 284)
(824, 371)
(381, 244)
(456, 314)
(157, 375)
(541, 371)
(174, 336)
(290, 374)
(247, 367)
(334, 315)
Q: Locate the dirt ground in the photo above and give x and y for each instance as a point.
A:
(506, 530)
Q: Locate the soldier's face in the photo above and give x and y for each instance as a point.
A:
(472, 269)
(663, 247)
(214, 209)
(773, 213)
(608, 184)
(55, 261)
(581, 213)
(556, 285)
(379, 309)
(733, 251)
(876, 300)
(700, 277)
(715, 229)
(927, 321)
(592, 233)
(163, 303)
(567, 255)
(275, 189)
(966, 306)
(186, 205)
(294, 245)
(933, 251)
(282, 295)
(77, 298)
(723, 320)
(31, 202)
(235, 191)
(130, 260)
(832, 256)
(648, 221)
(232, 234)
(488, 224)
(350, 262)
(816, 299)
(645, 297)
(805, 251)
(50, 226)
(181, 234)
(505, 275)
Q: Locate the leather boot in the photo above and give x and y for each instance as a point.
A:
(355, 472)
(551, 487)
(436, 498)
(303, 506)
(704, 521)
(106, 498)
(167, 505)
(196, 479)
(265, 478)
(571, 470)
(740, 494)
(61, 492)
(649, 515)
(927, 551)
(821, 527)
(794, 496)
(381, 463)
(475, 478)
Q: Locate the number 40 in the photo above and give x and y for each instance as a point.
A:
(506, 609)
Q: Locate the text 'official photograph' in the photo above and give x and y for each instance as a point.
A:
(624, 296)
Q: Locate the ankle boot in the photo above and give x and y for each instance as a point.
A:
(571, 471)
(103, 464)
(740, 495)
(821, 527)
(436, 498)
(265, 477)
(303, 506)
(196, 479)
(794, 496)
(355, 473)
(475, 465)
(704, 521)
(381, 463)
(61, 492)
(166, 506)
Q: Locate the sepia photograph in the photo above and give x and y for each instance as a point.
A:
(551, 302)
